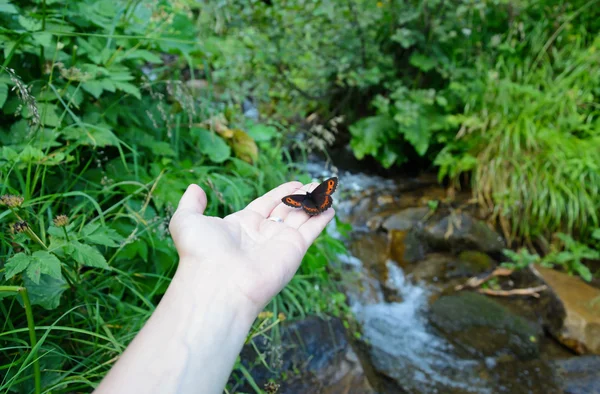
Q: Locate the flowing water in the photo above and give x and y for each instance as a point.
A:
(408, 352)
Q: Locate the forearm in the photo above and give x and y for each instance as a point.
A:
(190, 343)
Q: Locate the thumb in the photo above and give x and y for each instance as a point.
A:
(193, 200)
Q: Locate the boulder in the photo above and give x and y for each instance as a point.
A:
(457, 232)
(405, 219)
(485, 328)
(315, 356)
(579, 306)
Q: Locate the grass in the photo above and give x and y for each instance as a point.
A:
(535, 138)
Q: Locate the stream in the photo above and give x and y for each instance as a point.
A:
(411, 244)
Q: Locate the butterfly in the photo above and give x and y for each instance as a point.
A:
(315, 202)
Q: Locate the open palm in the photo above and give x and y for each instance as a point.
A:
(256, 256)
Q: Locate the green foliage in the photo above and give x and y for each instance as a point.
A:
(567, 254)
(530, 136)
(108, 112)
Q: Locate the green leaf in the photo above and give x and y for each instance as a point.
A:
(422, 62)
(3, 93)
(29, 24)
(212, 145)
(91, 135)
(95, 88)
(16, 264)
(101, 235)
(583, 271)
(7, 8)
(261, 132)
(369, 134)
(88, 255)
(43, 38)
(30, 154)
(418, 134)
(46, 292)
(43, 263)
(129, 88)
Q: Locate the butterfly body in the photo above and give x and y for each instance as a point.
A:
(315, 202)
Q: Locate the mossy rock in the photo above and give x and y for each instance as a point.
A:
(483, 327)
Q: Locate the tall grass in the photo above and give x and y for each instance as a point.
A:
(533, 134)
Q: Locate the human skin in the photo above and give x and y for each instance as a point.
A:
(229, 269)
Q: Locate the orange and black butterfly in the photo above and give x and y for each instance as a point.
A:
(315, 202)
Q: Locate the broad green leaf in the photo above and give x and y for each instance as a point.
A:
(94, 87)
(43, 38)
(212, 145)
(422, 62)
(418, 134)
(43, 263)
(261, 132)
(30, 154)
(128, 88)
(91, 135)
(17, 264)
(46, 292)
(29, 24)
(7, 8)
(88, 255)
(369, 134)
(101, 235)
(8, 154)
(583, 271)
(3, 94)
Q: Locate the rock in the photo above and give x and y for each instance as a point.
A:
(409, 356)
(405, 219)
(372, 250)
(445, 271)
(405, 247)
(579, 303)
(315, 357)
(485, 328)
(460, 231)
(579, 375)
(475, 262)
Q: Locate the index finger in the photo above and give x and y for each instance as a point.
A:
(265, 204)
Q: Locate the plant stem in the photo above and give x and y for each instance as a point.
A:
(32, 338)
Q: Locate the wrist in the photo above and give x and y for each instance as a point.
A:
(207, 284)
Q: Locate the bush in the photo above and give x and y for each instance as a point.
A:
(104, 124)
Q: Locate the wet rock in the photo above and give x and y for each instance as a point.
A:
(444, 271)
(405, 247)
(372, 250)
(359, 286)
(406, 219)
(483, 327)
(461, 231)
(408, 355)
(475, 262)
(579, 375)
(579, 305)
(315, 357)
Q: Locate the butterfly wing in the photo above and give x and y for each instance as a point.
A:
(310, 207)
(294, 200)
(327, 187)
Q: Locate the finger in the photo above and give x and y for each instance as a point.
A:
(193, 200)
(265, 204)
(281, 211)
(311, 229)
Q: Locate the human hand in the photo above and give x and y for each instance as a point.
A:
(252, 256)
